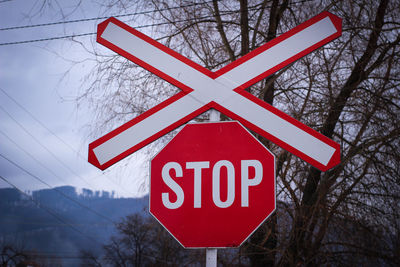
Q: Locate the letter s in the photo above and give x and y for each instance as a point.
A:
(173, 185)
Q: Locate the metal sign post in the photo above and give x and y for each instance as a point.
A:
(211, 257)
(212, 253)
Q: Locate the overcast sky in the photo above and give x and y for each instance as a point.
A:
(42, 133)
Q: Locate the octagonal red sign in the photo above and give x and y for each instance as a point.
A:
(212, 185)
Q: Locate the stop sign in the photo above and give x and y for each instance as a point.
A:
(212, 185)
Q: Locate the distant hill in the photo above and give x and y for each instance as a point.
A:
(60, 222)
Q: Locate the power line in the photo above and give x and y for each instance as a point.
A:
(53, 224)
(98, 18)
(55, 135)
(49, 211)
(93, 33)
(48, 39)
(32, 157)
(44, 147)
(47, 256)
(35, 159)
(123, 15)
(55, 189)
(40, 122)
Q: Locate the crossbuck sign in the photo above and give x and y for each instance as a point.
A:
(223, 90)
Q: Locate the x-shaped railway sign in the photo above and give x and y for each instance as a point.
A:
(223, 90)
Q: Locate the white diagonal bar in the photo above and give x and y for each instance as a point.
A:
(280, 128)
(280, 52)
(219, 90)
(235, 77)
(163, 62)
(146, 128)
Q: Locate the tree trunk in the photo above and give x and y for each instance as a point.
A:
(297, 248)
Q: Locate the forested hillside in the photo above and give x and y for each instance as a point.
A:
(57, 224)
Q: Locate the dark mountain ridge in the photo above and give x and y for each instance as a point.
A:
(60, 222)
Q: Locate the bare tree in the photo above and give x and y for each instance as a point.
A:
(347, 90)
(12, 254)
(141, 241)
(132, 247)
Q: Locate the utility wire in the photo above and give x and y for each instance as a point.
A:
(48, 39)
(122, 15)
(44, 147)
(98, 18)
(55, 189)
(55, 135)
(54, 254)
(38, 121)
(93, 33)
(32, 157)
(53, 224)
(49, 211)
(40, 255)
